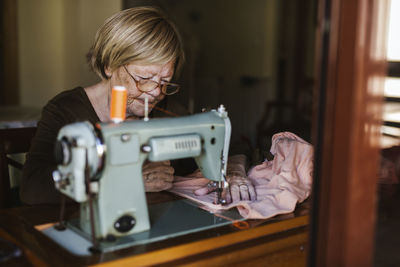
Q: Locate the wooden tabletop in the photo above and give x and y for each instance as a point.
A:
(280, 239)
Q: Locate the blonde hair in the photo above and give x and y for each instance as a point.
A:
(137, 35)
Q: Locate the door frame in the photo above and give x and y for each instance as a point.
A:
(351, 41)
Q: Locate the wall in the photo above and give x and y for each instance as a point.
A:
(54, 37)
(231, 53)
(234, 57)
(233, 48)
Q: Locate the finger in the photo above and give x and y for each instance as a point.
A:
(157, 186)
(235, 193)
(156, 166)
(210, 187)
(150, 177)
(153, 164)
(166, 162)
(162, 163)
(261, 166)
(252, 193)
(244, 192)
(165, 169)
(160, 176)
(196, 174)
(203, 191)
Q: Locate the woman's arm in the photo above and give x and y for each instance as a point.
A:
(37, 186)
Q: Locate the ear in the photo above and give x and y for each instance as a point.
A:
(108, 72)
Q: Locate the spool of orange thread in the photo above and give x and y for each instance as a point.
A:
(118, 104)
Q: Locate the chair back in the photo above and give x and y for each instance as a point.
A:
(12, 141)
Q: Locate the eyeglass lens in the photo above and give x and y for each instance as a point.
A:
(167, 89)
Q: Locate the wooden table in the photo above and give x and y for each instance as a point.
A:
(279, 241)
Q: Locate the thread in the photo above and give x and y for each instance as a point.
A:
(170, 113)
(118, 104)
(241, 225)
(146, 108)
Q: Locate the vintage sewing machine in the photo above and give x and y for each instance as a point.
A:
(101, 168)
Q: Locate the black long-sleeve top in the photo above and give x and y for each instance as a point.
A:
(37, 186)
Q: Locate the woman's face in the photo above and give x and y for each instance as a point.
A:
(127, 75)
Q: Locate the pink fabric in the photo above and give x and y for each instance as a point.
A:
(280, 183)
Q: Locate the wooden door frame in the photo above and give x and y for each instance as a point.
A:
(351, 62)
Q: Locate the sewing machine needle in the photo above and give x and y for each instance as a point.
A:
(220, 198)
(146, 109)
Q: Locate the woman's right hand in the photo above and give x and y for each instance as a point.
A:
(157, 176)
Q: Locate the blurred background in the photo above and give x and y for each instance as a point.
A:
(256, 57)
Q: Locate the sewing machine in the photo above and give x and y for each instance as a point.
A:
(101, 168)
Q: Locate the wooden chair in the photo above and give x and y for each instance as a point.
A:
(12, 141)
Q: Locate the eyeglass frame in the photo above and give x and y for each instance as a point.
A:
(159, 84)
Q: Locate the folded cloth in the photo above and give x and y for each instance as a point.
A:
(280, 183)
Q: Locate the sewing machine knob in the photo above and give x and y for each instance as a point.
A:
(125, 137)
(222, 201)
(57, 176)
(146, 148)
(125, 223)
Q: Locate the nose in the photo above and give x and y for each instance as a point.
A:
(155, 92)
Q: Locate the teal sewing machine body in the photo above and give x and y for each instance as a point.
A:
(102, 168)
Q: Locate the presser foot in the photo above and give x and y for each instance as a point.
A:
(220, 200)
(217, 187)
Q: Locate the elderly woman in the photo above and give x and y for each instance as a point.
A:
(138, 48)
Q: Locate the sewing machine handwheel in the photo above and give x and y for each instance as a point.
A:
(125, 223)
(62, 152)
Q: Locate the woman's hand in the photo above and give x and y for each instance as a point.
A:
(240, 187)
(157, 176)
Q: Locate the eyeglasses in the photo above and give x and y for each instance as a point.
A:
(147, 85)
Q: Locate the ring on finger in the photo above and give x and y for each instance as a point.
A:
(212, 184)
(244, 187)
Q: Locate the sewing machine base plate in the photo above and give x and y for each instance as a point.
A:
(168, 220)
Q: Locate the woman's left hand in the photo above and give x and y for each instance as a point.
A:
(157, 176)
(240, 187)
